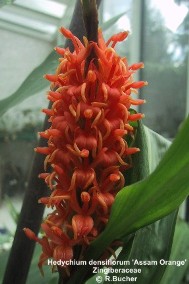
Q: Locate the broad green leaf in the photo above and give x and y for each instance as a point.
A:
(151, 243)
(33, 84)
(145, 202)
(180, 252)
(106, 25)
(152, 147)
(157, 146)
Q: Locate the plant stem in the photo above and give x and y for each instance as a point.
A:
(90, 17)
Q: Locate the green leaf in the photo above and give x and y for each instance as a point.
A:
(157, 146)
(150, 243)
(109, 23)
(180, 252)
(152, 147)
(6, 2)
(146, 201)
(33, 83)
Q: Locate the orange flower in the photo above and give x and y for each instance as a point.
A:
(90, 116)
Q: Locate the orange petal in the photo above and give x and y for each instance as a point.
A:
(82, 225)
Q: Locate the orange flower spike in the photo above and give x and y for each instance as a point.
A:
(86, 153)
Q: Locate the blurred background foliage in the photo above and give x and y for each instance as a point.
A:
(165, 53)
